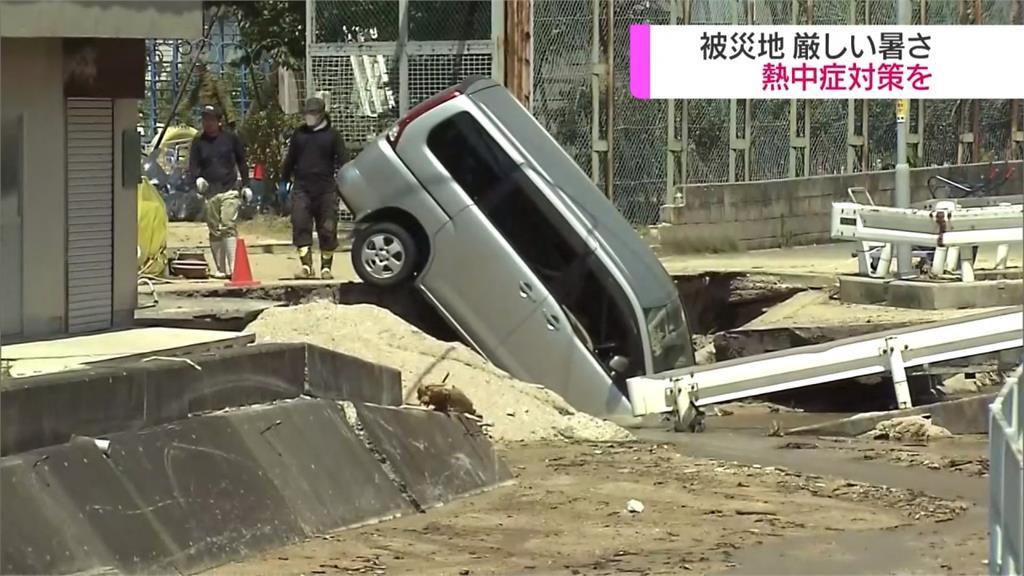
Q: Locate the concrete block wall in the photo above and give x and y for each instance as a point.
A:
(789, 212)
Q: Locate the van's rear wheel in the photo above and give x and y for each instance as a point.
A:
(384, 254)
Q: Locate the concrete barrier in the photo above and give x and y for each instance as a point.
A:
(435, 456)
(189, 495)
(40, 531)
(336, 376)
(49, 409)
(323, 469)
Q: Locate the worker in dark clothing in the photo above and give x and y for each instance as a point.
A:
(217, 162)
(315, 153)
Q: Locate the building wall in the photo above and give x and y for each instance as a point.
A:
(31, 82)
(101, 19)
(790, 212)
(126, 230)
(32, 85)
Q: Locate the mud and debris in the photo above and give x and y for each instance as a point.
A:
(568, 514)
(960, 454)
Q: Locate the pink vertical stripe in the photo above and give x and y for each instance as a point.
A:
(640, 61)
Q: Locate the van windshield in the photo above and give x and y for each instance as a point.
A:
(670, 343)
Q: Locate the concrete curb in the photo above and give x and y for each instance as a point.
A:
(193, 494)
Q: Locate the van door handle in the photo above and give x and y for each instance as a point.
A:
(553, 321)
(525, 290)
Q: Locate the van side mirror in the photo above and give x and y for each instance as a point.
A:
(619, 365)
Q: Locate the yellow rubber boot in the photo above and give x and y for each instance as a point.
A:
(305, 262)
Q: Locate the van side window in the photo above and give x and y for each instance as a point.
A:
(505, 194)
(540, 235)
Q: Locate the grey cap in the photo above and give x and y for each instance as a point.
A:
(211, 110)
(314, 105)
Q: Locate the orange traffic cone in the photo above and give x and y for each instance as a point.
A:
(241, 273)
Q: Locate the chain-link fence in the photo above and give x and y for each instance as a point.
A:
(374, 70)
(740, 140)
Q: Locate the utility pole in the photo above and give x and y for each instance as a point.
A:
(310, 39)
(901, 195)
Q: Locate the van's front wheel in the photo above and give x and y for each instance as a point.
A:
(384, 254)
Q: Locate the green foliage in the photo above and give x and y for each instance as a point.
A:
(208, 88)
(265, 132)
(270, 30)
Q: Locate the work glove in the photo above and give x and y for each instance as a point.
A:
(202, 185)
(247, 194)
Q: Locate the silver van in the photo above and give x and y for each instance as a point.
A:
(468, 197)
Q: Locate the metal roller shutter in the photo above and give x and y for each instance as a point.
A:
(90, 213)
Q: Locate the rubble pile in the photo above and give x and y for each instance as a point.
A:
(907, 429)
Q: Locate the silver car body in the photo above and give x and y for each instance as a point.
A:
(484, 287)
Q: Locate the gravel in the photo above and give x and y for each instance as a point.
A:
(519, 411)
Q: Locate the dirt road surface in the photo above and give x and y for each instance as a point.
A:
(713, 503)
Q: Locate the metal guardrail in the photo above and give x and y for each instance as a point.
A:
(686, 390)
(1006, 478)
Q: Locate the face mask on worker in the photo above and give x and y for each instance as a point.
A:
(312, 120)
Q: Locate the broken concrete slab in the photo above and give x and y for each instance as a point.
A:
(788, 307)
(323, 469)
(127, 395)
(50, 356)
(200, 486)
(80, 482)
(173, 311)
(123, 395)
(437, 457)
(337, 376)
(963, 416)
(931, 295)
(744, 342)
(196, 493)
(40, 536)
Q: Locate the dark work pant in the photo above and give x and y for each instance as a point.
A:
(319, 208)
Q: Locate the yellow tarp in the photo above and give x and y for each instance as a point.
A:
(152, 230)
(177, 140)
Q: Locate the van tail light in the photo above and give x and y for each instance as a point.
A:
(395, 132)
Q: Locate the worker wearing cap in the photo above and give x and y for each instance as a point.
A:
(315, 153)
(217, 162)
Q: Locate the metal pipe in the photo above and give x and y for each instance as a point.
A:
(939, 260)
(901, 195)
(1002, 255)
(884, 262)
(967, 264)
(175, 59)
(402, 57)
(952, 258)
(153, 79)
(610, 97)
(310, 39)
